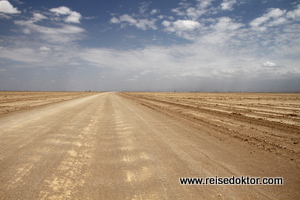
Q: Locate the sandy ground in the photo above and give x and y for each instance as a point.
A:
(14, 101)
(266, 120)
(126, 146)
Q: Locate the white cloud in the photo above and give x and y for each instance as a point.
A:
(295, 14)
(228, 4)
(144, 6)
(4, 16)
(64, 29)
(154, 11)
(166, 23)
(204, 3)
(161, 17)
(181, 25)
(26, 31)
(74, 17)
(269, 64)
(25, 54)
(143, 24)
(216, 38)
(61, 10)
(114, 20)
(182, 28)
(64, 33)
(269, 19)
(45, 49)
(178, 11)
(38, 17)
(258, 21)
(127, 18)
(226, 23)
(193, 12)
(278, 21)
(186, 25)
(6, 7)
(275, 13)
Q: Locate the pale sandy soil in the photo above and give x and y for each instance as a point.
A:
(14, 101)
(270, 121)
(138, 145)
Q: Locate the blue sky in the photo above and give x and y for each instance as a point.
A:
(166, 45)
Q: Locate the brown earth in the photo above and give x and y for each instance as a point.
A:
(138, 145)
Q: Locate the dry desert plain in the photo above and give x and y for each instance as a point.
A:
(56, 145)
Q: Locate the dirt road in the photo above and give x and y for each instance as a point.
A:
(107, 146)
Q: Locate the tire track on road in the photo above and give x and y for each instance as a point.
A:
(70, 175)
